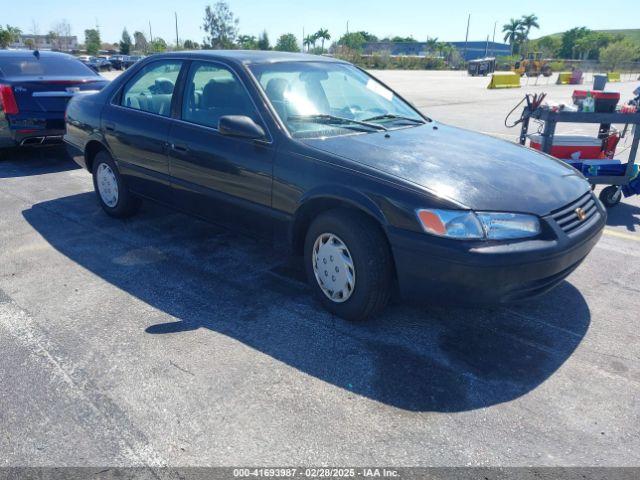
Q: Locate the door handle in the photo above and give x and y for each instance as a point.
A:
(110, 127)
(179, 148)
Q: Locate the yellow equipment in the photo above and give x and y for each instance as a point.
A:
(613, 77)
(504, 80)
(532, 66)
(564, 78)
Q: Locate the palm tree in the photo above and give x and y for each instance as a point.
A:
(528, 22)
(432, 44)
(322, 34)
(513, 31)
(307, 41)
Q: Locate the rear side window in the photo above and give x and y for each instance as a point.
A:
(213, 91)
(151, 90)
(29, 65)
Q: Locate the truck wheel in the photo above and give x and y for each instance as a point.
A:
(610, 196)
(348, 264)
(113, 195)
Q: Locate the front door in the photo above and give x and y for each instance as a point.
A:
(225, 179)
(136, 127)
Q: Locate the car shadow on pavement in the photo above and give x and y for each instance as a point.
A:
(417, 359)
(624, 215)
(25, 162)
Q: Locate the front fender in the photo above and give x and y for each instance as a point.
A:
(343, 194)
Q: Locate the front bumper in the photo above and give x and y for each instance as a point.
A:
(432, 269)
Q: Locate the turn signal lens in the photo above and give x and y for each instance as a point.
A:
(460, 224)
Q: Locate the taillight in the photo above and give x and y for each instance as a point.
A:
(8, 100)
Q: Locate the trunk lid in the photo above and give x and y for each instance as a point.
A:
(51, 95)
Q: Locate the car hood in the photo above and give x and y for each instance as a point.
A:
(474, 170)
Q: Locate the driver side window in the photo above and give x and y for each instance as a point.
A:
(151, 90)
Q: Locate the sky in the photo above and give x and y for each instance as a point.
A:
(421, 18)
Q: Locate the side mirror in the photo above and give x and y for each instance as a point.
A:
(240, 126)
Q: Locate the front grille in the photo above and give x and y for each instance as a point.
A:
(567, 217)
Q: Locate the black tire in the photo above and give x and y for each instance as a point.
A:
(610, 196)
(127, 203)
(371, 257)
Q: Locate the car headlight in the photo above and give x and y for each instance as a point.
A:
(468, 225)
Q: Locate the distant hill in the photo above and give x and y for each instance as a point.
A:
(630, 33)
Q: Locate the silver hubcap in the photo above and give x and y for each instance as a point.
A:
(333, 267)
(107, 185)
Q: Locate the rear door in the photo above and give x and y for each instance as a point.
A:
(136, 126)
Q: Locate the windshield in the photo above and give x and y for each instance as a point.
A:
(60, 65)
(321, 99)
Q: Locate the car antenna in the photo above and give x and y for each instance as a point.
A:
(36, 54)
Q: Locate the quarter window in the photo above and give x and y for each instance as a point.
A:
(213, 91)
(151, 90)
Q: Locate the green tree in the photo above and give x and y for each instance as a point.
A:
(528, 22)
(263, 41)
(221, 26)
(9, 35)
(549, 45)
(307, 41)
(287, 43)
(322, 34)
(53, 39)
(354, 41)
(432, 45)
(513, 33)
(248, 42)
(125, 43)
(569, 39)
(190, 45)
(92, 41)
(398, 39)
(368, 37)
(588, 47)
(617, 53)
(158, 45)
(140, 43)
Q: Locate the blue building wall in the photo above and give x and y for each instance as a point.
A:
(473, 50)
(477, 49)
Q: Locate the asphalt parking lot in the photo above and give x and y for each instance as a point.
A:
(162, 340)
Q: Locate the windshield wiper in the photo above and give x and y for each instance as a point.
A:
(326, 118)
(392, 116)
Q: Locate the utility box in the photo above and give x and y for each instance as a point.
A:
(570, 146)
(481, 66)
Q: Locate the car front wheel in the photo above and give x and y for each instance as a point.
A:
(113, 195)
(348, 264)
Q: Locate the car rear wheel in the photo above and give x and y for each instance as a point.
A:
(113, 195)
(348, 264)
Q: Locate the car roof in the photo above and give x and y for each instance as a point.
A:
(250, 56)
(29, 53)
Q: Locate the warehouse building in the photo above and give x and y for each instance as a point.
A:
(468, 50)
